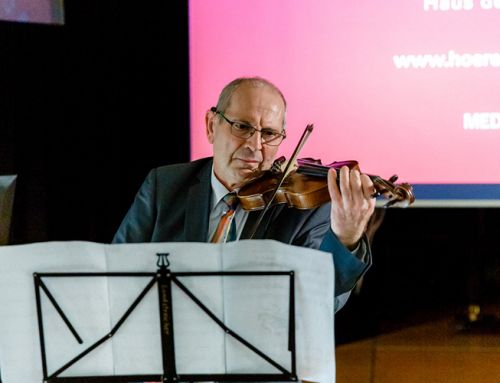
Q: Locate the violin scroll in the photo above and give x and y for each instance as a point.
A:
(397, 194)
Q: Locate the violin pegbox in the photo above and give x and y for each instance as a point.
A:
(401, 195)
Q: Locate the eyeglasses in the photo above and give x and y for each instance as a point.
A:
(242, 130)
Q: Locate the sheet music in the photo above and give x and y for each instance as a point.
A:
(255, 307)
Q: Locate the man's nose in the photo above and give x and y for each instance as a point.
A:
(255, 141)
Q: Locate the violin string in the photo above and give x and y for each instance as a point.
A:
(382, 186)
(305, 135)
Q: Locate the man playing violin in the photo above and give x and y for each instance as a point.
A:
(183, 202)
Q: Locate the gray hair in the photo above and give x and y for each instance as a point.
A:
(228, 90)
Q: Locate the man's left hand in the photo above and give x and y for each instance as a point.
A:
(352, 204)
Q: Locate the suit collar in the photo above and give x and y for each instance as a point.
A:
(198, 210)
(198, 205)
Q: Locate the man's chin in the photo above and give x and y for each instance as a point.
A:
(247, 171)
(245, 175)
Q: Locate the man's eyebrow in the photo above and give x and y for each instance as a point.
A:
(244, 122)
(253, 126)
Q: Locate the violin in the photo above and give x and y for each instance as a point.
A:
(303, 184)
(306, 187)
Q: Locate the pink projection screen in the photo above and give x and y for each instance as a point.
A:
(406, 87)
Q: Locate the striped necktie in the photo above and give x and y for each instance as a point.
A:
(226, 229)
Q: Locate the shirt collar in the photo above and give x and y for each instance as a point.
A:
(218, 190)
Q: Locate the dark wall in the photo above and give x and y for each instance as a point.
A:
(87, 109)
(428, 264)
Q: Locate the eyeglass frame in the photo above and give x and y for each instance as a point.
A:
(231, 123)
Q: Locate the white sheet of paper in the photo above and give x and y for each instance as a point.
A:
(255, 307)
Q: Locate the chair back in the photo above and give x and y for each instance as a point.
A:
(7, 189)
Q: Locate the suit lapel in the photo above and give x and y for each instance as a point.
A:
(249, 224)
(198, 205)
(262, 230)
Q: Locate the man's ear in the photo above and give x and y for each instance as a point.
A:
(209, 125)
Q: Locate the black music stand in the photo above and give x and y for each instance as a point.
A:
(164, 278)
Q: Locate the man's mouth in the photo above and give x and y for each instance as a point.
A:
(249, 163)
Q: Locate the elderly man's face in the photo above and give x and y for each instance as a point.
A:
(237, 160)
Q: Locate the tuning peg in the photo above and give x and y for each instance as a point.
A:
(393, 179)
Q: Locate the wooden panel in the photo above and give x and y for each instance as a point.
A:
(354, 362)
(433, 352)
(446, 365)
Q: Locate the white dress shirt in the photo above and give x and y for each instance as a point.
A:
(218, 208)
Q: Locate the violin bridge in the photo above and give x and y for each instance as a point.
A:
(280, 164)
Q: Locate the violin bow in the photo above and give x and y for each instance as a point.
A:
(305, 135)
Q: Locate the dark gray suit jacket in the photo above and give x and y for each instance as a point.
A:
(173, 205)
